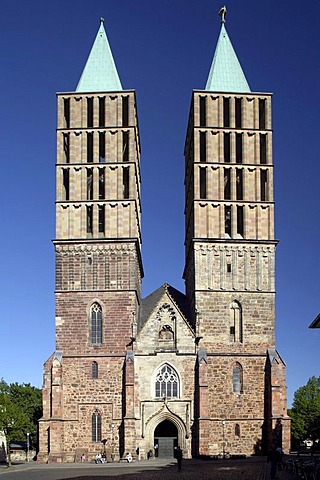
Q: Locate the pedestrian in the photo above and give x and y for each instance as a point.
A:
(83, 458)
(129, 457)
(178, 455)
(274, 457)
(98, 458)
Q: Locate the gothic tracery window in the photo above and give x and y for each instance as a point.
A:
(96, 323)
(167, 382)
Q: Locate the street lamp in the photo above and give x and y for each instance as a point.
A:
(28, 445)
(223, 438)
(112, 445)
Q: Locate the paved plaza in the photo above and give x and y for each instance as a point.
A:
(245, 469)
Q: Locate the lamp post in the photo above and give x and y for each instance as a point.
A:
(28, 445)
(112, 440)
(223, 438)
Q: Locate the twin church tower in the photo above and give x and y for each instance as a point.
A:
(196, 369)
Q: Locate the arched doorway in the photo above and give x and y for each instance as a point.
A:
(165, 439)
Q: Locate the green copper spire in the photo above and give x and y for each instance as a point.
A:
(100, 72)
(226, 74)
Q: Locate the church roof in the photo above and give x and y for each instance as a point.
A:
(226, 74)
(149, 303)
(100, 72)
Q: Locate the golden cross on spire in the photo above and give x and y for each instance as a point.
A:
(223, 13)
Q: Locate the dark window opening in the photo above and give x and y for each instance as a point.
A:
(227, 147)
(262, 113)
(203, 183)
(229, 269)
(89, 219)
(102, 112)
(101, 218)
(237, 430)
(237, 380)
(263, 185)
(89, 260)
(239, 184)
(89, 112)
(240, 225)
(125, 182)
(232, 331)
(125, 111)
(89, 184)
(90, 147)
(226, 112)
(203, 111)
(263, 148)
(238, 108)
(66, 147)
(66, 183)
(239, 148)
(125, 146)
(94, 370)
(227, 184)
(203, 146)
(66, 112)
(102, 147)
(96, 427)
(227, 219)
(101, 184)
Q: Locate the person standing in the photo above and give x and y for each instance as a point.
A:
(179, 457)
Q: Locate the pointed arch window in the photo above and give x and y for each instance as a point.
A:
(236, 326)
(237, 430)
(237, 378)
(96, 427)
(94, 370)
(167, 382)
(96, 323)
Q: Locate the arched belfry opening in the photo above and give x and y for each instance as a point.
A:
(165, 439)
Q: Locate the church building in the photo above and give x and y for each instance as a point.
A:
(197, 369)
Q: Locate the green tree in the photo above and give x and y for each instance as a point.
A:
(20, 409)
(305, 412)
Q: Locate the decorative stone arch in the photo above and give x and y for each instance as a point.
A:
(165, 414)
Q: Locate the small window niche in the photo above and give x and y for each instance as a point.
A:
(240, 221)
(66, 183)
(239, 183)
(263, 148)
(203, 111)
(125, 111)
(89, 183)
(226, 112)
(101, 218)
(227, 147)
(102, 147)
(66, 147)
(227, 183)
(203, 146)
(239, 147)
(264, 185)
(102, 192)
(262, 113)
(227, 219)
(89, 147)
(66, 112)
(126, 182)
(125, 146)
(238, 112)
(203, 183)
(90, 112)
(89, 219)
(102, 111)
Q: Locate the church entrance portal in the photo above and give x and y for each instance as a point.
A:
(165, 439)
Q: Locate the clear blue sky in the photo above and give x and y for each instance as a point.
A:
(163, 49)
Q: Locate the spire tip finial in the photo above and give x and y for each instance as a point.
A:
(223, 13)
(101, 20)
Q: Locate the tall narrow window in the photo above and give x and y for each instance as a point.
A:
(167, 382)
(96, 427)
(239, 148)
(239, 184)
(203, 183)
(102, 192)
(227, 147)
(96, 324)
(66, 147)
(237, 430)
(203, 111)
(235, 322)
(125, 146)
(238, 108)
(227, 219)
(66, 112)
(125, 182)
(94, 370)
(203, 146)
(102, 147)
(102, 112)
(89, 147)
(240, 225)
(66, 182)
(263, 185)
(89, 183)
(226, 112)
(101, 218)
(227, 184)
(263, 148)
(89, 219)
(90, 112)
(262, 113)
(125, 111)
(237, 378)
